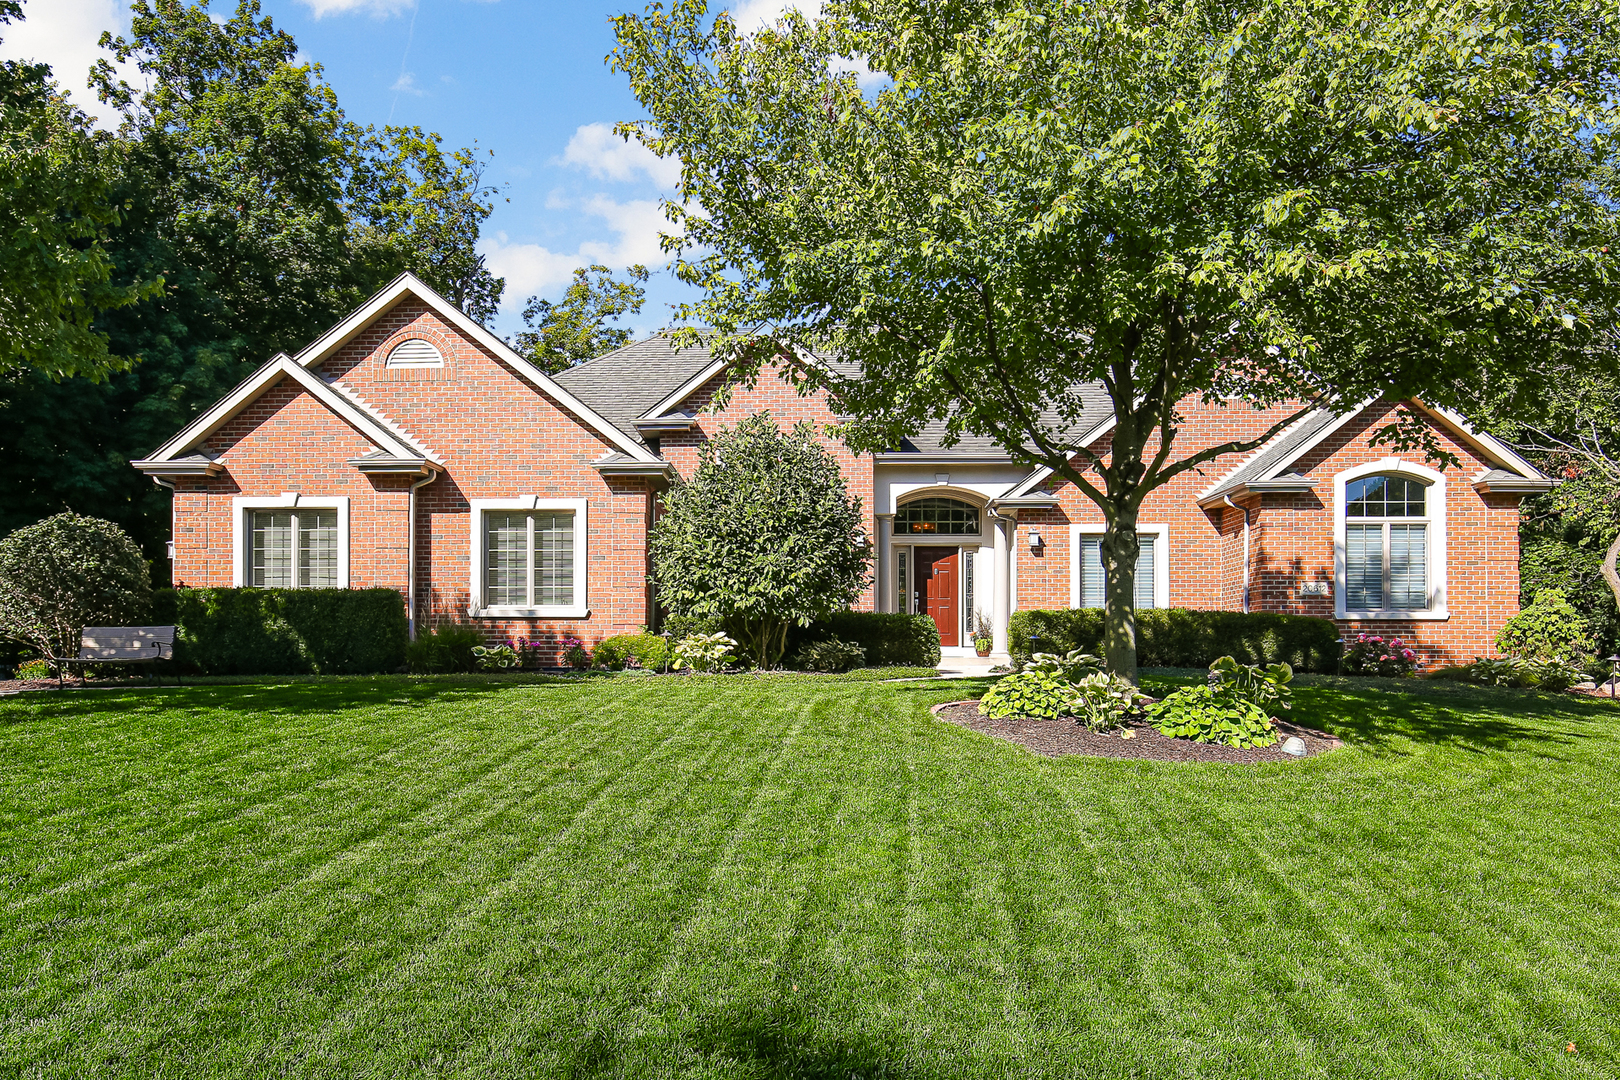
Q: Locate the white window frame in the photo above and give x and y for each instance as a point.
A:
(1434, 506)
(1161, 558)
(242, 532)
(477, 609)
(437, 362)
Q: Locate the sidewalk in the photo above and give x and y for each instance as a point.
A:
(967, 667)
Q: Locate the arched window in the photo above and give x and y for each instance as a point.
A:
(936, 517)
(415, 353)
(1386, 544)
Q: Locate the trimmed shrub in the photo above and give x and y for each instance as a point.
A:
(67, 572)
(1549, 629)
(830, 655)
(449, 649)
(648, 650)
(890, 639)
(1184, 638)
(287, 631)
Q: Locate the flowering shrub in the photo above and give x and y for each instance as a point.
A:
(703, 652)
(574, 653)
(35, 669)
(496, 657)
(1373, 654)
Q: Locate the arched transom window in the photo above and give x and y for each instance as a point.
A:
(936, 517)
(1386, 544)
(415, 353)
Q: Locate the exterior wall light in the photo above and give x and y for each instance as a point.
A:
(1035, 542)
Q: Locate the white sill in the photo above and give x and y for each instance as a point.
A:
(574, 612)
(1433, 615)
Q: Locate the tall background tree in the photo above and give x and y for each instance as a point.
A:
(577, 328)
(265, 214)
(1273, 204)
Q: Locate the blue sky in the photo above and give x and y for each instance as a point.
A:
(524, 78)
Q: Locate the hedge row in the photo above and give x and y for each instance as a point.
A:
(1181, 637)
(285, 631)
(890, 639)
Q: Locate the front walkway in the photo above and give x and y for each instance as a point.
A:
(967, 667)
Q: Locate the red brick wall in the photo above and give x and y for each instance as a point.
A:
(788, 407)
(498, 437)
(1292, 537)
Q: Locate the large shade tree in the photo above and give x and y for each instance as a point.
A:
(1276, 204)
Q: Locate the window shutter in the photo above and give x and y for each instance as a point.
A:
(1144, 571)
(506, 560)
(273, 550)
(317, 549)
(1408, 567)
(1364, 567)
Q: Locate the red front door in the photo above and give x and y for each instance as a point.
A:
(938, 589)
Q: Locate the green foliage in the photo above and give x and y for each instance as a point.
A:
(1268, 687)
(288, 631)
(890, 639)
(56, 207)
(1206, 713)
(576, 329)
(1106, 700)
(496, 657)
(445, 649)
(1073, 666)
(1182, 637)
(1040, 695)
(1046, 196)
(65, 573)
(704, 652)
(764, 536)
(1549, 629)
(648, 651)
(830, 655)
(35, 669)
(1375, 654)
(1516, 671)
(1547, 562)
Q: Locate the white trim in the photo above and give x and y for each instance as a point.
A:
(345, 408)
(242, 505)
(685, 390)
(1161, 558)
(1437, 513)
(1042, 474)
(579, 609)
(407, 283)
(1487, 445)
(416, 352)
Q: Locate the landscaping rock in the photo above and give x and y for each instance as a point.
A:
(1294, 746)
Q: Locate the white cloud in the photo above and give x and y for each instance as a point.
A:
(532, 269)
(752, 16)
(63, 34)
(323, 8)
(606, 156)
(406, 84)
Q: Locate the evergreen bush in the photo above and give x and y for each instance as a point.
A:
(890, 639)
(67, 572)
(288, 631)
(1185, 638)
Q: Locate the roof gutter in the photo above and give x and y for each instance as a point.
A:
(900, 457)
(1515, 485)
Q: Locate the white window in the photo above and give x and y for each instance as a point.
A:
(528, 557)
(415, 353)
(1389, 546)
(291, 541)
(1089, 588)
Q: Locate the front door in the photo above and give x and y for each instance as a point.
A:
(938, 588)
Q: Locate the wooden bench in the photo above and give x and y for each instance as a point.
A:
(122, 645)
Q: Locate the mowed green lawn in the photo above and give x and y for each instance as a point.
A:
(741, 876)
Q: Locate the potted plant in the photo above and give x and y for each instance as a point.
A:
(982, 637)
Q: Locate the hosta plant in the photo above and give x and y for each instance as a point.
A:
(1071, 667)
(1268, 687)
(1207, 713)
(1523, 672)
(703, 652)
(1106, 700)
(1038, 694)
(497, 657)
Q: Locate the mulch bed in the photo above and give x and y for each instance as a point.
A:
(1055, 738)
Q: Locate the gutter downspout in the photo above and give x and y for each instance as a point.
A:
(1227, 499)
(410, 553)
(160, 482)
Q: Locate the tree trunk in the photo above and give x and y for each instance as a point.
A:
(1610, 573)
(1119, 551)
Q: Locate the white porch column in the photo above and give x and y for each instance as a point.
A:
(1001, 586)
(884, 578)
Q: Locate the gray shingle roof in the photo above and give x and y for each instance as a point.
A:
(625, 383)
(1280, 453)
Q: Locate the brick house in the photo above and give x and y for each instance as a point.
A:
(410, 448)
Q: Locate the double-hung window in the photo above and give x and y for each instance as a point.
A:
(1386, 544)
(528, 557)
(1089, 583)
(291, 542)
